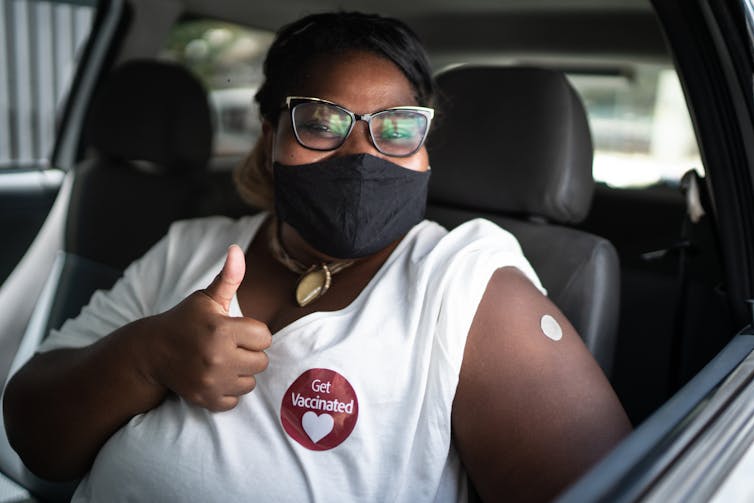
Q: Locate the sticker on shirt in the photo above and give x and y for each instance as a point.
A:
(320, 409)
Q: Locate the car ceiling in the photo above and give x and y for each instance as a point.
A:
(272, 14)
(587, 31)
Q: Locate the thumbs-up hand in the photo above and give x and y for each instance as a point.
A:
(202, 354)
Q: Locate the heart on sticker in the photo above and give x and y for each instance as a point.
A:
(317, 427)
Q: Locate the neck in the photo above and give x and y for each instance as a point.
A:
(298, 249)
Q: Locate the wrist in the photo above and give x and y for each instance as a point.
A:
(143, 353)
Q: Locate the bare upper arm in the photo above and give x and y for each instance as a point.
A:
(530, 413)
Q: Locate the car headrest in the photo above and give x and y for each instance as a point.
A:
(511, 140)
(153, 112)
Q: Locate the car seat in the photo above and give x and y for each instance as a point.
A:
(149, 132)
(150, 128)
(513, 145)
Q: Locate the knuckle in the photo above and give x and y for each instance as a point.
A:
(227, 403)
(214, 407)
(196, 397)
(212, 359)
(267, 341)
(264, 361)
(206, 382)
(261, 331)
(254, 324)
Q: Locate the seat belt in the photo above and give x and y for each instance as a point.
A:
(690, 188)
(682, 248)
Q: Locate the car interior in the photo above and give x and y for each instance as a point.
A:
(549, 115)
(537, 181)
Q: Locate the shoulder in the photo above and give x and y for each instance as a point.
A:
(448, 276)
(194, 249)
(483, 229)
(201, 229)
(477, 232)
(185, 259)
(200, 241)
(476, 249)
(524, 331)
(192, 242)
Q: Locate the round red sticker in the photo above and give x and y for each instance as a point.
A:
(320, 409)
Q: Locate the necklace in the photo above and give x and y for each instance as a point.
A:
(315, 280)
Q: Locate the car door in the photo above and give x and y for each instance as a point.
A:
(52, 52)
(42, 45)
(651, 203)
(691, 449)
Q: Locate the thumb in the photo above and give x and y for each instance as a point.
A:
(224, 286)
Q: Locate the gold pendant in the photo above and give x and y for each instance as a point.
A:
(313, 285)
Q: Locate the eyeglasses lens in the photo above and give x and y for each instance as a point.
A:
(398, 132)
(322, 126)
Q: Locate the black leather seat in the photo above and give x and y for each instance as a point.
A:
(513, 145)
(151, 131)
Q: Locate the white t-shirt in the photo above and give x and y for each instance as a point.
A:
(355, 404)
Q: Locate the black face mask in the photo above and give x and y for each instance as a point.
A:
(350, 206)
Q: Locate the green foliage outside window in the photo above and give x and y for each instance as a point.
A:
(222, 55)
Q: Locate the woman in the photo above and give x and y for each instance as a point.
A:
(344, 343)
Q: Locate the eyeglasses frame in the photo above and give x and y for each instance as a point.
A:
(292, 101)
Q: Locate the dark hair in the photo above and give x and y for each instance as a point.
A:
(298, 43)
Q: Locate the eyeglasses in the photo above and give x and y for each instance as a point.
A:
(323, 125)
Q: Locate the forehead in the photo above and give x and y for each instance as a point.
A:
(361, 81)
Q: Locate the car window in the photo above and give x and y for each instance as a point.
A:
(40, 47)
(640, 126)
(227, 58)
(638, 116)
